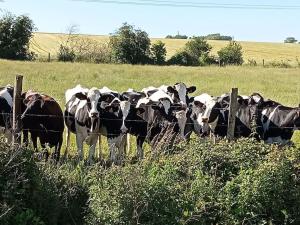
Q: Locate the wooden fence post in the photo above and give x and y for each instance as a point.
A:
(17, 110)
(232, 114)
(263, 63)
(49, 57)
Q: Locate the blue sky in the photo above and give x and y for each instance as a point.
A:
(94, 17)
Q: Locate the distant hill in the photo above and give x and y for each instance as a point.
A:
(42, 43)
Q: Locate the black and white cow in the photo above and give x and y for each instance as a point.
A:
(82, 117)
(161, 114)
(43, 118)
(215, 113)
(6, 103)
(277, 123)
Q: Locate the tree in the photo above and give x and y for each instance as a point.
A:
(231, 54)
(197, 48)
(130, 45)
(158, 53)
(15, 34)
(290, 40)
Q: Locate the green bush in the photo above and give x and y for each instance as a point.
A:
(231, 54)
(66, 54)
(242, 182)
(182, 58)
(38, 194)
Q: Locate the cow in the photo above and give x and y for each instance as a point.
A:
(6, 103)
(82, 117)
(277, 123)
(42, 117)
(215, 114)
(162, 116)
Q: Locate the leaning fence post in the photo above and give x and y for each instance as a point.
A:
(16, 126)
(232, 113)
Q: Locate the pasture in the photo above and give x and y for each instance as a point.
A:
(42, 43)
(282, 85)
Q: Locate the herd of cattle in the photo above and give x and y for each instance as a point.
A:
(146, 114)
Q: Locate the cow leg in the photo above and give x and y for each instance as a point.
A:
(93, 144)
(140, 151)
(25, 138)
(99, 152)
(112, 149)
(57, 148)
(79, 143)
(68, 135)
(127, 143)
(8, 135)
(34, 140)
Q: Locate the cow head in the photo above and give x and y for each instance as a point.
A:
(93, 107)
(179, 93)
(198, 107)
(33, 103)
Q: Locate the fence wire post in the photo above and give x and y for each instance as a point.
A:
(16, 126)
(232, 114)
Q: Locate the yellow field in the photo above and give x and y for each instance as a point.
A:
(42, 43)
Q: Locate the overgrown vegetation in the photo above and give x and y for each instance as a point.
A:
(243, 182)
(15, 34)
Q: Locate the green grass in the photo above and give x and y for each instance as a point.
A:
(282, 85)
(252, 50)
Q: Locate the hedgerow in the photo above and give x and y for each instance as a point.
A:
(242, 182)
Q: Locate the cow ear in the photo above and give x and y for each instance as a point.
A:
(191, 89)
(170, 89)
(191, 99)
(81, 96)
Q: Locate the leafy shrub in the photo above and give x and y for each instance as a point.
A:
(37, 194)
(231, 54)
(290, 40)
(280, 64)
(142, 194)
(182, 58)
(205, 60)
(66, 54)
(266, 194)
(252, 62)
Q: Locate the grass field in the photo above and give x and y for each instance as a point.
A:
(282, 85)
(42, 43)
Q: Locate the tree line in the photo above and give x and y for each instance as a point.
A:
(131, 45)
(128, 45)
